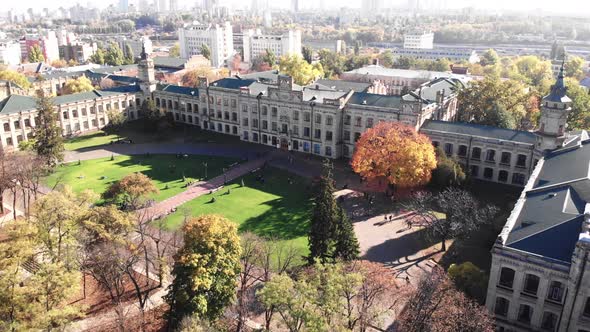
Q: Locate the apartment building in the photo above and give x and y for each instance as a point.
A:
(219, 39)
(256, 43)
(419, 40)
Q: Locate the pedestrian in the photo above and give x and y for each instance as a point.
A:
(407, 279)
(391, 217)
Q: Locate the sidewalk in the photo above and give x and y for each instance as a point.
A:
(201, 188)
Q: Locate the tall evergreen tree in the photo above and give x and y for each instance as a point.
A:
(129, 56)
(324, 218)
(347, 245)
(49, 142)
(36, 54)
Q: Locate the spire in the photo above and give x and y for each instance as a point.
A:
(560, 81)
(143, 53)
(559, 90)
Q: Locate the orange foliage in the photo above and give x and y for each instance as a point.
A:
(396, 152)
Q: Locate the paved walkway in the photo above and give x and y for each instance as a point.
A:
(201, 188)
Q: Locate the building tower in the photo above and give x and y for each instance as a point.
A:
(555, 108)
(146, 73)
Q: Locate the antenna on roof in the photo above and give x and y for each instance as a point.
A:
(238, 76)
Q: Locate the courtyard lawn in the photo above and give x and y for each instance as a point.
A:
(93, 139)
(164, 170)
(274, 208)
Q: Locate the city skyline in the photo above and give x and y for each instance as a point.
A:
(579, 7)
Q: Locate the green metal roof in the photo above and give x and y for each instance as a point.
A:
(16, 103)
(76, 97)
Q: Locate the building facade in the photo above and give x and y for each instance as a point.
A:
(538, 277)
(10, 53)
(419, 40)
(219, 39)
(453, 54)
(256, 43)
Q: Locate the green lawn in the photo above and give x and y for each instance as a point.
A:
(274, 209)
(89, 140)
(162, 169)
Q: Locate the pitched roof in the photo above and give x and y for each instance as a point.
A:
(133, 88)
(405, 73)
(16, 103)
(472, 129)
(76, 97)
(344, 85)
(371, 99)
(547, 219)
(178, 89)
(232, 83)
(169, 62)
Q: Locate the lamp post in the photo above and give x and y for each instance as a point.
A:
(205, 164)
(312, 105)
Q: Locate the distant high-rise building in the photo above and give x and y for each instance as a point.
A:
(371, 8)
(419, 40)
(173, 5)
(162, 5)
(267, 19)
(256, 43)
(143, 6)
(124, 5)
(295, 6)
(218, 38)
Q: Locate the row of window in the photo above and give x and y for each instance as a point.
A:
(531, 284)
(295, 144)
(525, 314)
(503, 175)
(490, 154)
(358, 121)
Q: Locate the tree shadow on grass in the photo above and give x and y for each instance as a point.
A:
(280, 221)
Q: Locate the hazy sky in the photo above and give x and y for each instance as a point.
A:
(561, 6)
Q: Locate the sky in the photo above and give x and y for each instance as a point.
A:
(558, 6)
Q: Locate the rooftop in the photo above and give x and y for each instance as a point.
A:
(178, 89)
(16, 103)
(371, 99)
(341, 85)
(547, 219)
(377, 70)
(477, 130)
(169, 62)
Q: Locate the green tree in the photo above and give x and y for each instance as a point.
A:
(174, 51)
(574, 67)
(302, 72)
(325, 218)
(129, 56)
(114, 55)
(404, 62)
(470, 279)
(332, 63)
(498, 116)
(98, 57)
(205, 269)
(440, 65)
(49, 142)
(153, 114)
(386, 59)
(489, 58)
(448, 171)
(36, 54)
(531, 70)
(116, 119)
(15, 77)
(206, 51)
(307, 53)
(579, 117)
(77, 85)
(269, 57)
(346, 245)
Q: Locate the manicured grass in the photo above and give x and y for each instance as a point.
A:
(274, 208)
(162, 169)
(90, 140)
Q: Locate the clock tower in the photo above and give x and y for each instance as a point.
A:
(555, 108)
(146, 73)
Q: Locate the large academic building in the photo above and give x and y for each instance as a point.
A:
(324, 118)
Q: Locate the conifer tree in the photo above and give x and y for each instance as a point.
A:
(324, 218)
(347, 245)
(49, 142)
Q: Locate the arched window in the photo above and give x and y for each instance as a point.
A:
(549, 321)
(476, 153)
(502, 306)
(555, 291)
(525, 313)
(506, 277)
(531, 284)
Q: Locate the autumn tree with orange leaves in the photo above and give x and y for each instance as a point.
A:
(396, 152)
